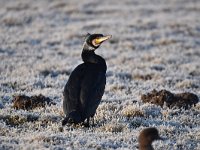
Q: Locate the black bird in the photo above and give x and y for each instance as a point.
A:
(146, 137)
(86, 84)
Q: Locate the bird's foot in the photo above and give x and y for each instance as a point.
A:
(65, 121)
(87, 125)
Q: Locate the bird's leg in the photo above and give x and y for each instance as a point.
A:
(65, 121)
(93, 121)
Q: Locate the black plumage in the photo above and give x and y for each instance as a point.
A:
(86, 84)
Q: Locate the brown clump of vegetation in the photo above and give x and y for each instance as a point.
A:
(27, 103)
(185, 100)
(143, 77)
(131, 111)
(180, 100)
(14, 120)
(113, 128)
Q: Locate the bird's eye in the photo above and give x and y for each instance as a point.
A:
(95, 42)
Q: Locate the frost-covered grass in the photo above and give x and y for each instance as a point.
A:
(155, 45)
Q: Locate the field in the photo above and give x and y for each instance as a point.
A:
(155, 45)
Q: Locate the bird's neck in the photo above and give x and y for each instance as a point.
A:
(90, 57)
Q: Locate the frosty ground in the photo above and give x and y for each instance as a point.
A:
(155, 45)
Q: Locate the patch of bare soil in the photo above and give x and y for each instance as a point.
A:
(27, 103)
(181, 100)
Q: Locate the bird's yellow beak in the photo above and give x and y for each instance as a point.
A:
(102, 39)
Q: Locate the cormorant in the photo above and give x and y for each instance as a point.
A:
(86, 84)
(146, 137)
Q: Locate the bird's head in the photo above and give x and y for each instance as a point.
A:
(93, 41)
(148, 135)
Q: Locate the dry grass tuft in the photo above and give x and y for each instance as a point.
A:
(143, 77)
(132, 111)
(115, 88)
(186, 84)
(15, 21)
(15, 120)
(165, 42)
(113, 128)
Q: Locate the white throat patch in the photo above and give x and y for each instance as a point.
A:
(88, 47)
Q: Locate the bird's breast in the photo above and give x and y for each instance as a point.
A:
(96, 67)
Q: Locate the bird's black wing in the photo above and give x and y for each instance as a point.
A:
(92, 90)
(72, 90)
